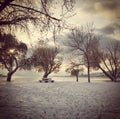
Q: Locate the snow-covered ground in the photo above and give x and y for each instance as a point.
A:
(26, 98)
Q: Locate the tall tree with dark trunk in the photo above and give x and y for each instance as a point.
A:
(11, 53)
(83, 40)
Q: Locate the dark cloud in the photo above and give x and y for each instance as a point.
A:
(110, 29)
(106, 40)
(109, 8)
(110, 4)
(107, 30)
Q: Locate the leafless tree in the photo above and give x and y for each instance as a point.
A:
(19, 13)
(46, 59)
(83, 40)
(109, 60)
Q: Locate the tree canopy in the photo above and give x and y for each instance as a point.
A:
(46, 59)
(12, 52)
(19, 13)
(74, 69)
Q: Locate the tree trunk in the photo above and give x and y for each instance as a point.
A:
(115, 77)
(45, 75)
(88, 72)
(77, 78)
(112, 78)
(9, 76)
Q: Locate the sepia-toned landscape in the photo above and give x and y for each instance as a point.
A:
(59, 59)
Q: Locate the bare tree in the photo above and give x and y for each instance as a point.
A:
(109, 60)
(83, 40)
(11, 53)
(46, 59)
(19, 13)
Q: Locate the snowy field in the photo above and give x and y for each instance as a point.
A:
(26, 98)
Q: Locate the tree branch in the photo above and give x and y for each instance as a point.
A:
(32, 9)
(16, 62)
(16, 20)
(5, 4)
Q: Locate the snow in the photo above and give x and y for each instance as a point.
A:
(28, 99)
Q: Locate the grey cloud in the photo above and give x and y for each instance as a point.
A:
(111, 8)
(110, 4)
(106, 40)
(110, 29)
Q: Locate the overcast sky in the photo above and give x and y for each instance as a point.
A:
(104, 13)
